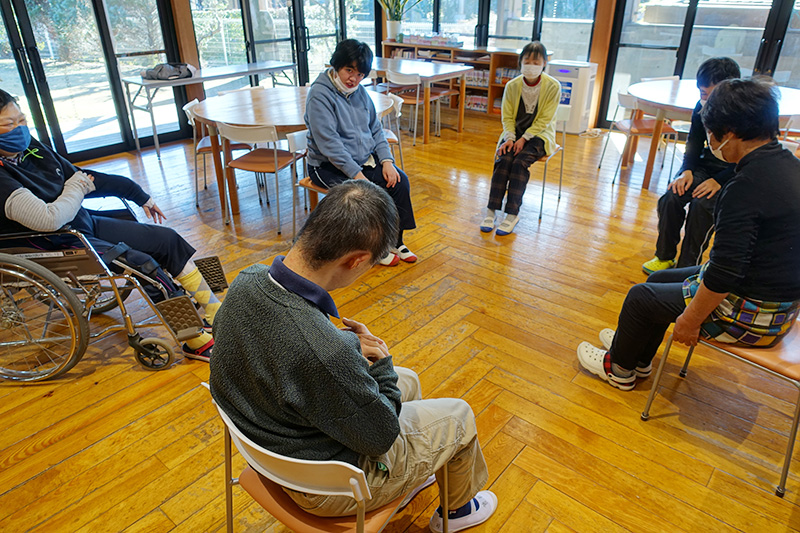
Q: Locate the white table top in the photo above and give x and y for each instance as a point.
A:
(214, 73)
(427, 70)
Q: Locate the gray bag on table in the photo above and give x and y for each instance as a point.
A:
(167, 71)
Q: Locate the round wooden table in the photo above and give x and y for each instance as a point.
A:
(676, 99)
(283, 107)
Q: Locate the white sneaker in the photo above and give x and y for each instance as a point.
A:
(607, 337)
(598, 362)
(425, 484)
(482, 506)
(390, 260)
(487, 225)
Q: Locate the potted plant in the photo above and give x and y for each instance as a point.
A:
(395, 9)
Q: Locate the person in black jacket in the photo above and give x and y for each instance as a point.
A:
(699, 180)
(41, 191)
(749, 290)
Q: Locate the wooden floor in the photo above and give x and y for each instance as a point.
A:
(494, 320)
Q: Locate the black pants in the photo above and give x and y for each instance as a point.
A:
(647, 312)
(511, 174)
(699, 223)
(147, 241)
(326, 175)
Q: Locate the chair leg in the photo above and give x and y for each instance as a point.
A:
(416, 119)
(277, 200)
(563, 152)
(445, 501)
(229, 483)
(603, 153)
(780, 490)
(619, 166)
(672, 162)
(197, 180)
(656, 380)
(361, 517)
(685, 367)
(544, 179)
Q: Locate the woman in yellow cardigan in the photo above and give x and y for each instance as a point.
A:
(529, 105)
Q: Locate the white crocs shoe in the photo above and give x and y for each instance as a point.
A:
(607, 337)
(481, 507)
(598, 362)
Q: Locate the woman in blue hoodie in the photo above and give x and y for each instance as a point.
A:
(345, 139)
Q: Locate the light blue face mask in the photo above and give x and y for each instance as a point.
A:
(15, 140)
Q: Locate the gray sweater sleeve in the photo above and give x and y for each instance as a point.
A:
(32, 212)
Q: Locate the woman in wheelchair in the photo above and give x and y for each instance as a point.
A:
(42, 191)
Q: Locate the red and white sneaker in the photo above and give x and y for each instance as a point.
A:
(390, 260)
(404, 254)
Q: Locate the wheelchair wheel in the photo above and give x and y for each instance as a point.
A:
(154, 354)
(43, 332)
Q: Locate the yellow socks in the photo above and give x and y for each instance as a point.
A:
(199, 341)
(197, 287)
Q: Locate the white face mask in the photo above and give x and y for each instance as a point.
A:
(531, 72)
(341, 86)
(703, 103)
(718, 150)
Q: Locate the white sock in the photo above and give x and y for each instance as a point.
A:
(490, 213)
(511, 218)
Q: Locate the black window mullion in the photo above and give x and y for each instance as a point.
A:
(482, 29)
(611, 63)
(378, 10)
(342, 31)
(686, 36)
(437, 4)
(774, 33)
(300, 42)
(537, 20)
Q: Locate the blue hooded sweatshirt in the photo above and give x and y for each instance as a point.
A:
(343, 129)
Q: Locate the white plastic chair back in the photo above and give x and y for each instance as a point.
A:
(673, 78)
(189, 110)
(397, 103)
(402, 79)
(562, 113)
(793, 122)
(333, 478)
(626, 100)
(248, 134)
(298, 141)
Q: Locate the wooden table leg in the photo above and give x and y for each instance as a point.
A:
(462, 98)
(426, 114)
(216, 156)
(654, 142)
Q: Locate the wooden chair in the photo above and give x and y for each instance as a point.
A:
(201, 145)
(633, 127)
(261, 161)
(409, 88)
(392, 136)
(268, 472)
(781, 360)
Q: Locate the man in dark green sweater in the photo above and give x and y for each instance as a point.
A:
(299, 386)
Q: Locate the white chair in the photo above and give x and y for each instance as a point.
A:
(201, 145)
(633, 127)
(268, 472)
(261, 161)
(298, 145)
(562, 115)
(409, 88)
(393, 136)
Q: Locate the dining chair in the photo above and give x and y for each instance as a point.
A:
(201, 146)
(268, 473)
(409, 88)
(781, 361)
(562, 115)
(260, 161)
(393, 136)
(633, 127)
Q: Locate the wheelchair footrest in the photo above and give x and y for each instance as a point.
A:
(182, 316)
(211, 270)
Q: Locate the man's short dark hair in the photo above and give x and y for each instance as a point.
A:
(6, 99)
(714, 70)
(351, 52)
(355, 215)
(535, 49)
(747, 108)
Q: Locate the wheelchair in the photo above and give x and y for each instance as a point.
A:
(47, 298)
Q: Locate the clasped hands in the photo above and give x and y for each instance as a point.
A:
(512, 146)
(372, 348)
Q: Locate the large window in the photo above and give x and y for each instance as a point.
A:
(360, 21)
(459, 17)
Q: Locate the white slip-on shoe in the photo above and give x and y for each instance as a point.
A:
(481, 507)
(487, 225)
(598, 362)
(507, 226)
(404, 254)
(390, 260)
(607, 337)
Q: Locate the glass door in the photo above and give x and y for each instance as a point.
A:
(321, 28)
(787, 70)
